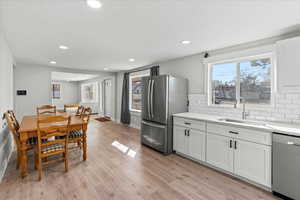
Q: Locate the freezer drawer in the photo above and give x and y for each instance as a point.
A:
(154, 135)
(286, 165)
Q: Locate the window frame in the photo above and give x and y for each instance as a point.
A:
(147, 73)
(238, 60)
(60, 91)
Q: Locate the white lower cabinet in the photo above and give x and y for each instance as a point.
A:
(219, 152)
(189, 142)
(196, 144)
(179, 139)
(253, 161)
(240, 151)
(246, 159)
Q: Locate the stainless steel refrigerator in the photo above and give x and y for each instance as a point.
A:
(162, 96)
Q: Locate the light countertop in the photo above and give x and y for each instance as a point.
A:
(284, 128)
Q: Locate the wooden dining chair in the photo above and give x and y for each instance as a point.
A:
(13, 126)
(53, 132)
(14, 119)
(80, 110)
(76, 136)
(71, 106)
(46, 109)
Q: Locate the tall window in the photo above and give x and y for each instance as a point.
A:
(56, 91)
(245, 80)
(135, 90)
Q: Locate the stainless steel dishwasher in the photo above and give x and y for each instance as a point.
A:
(286, 165)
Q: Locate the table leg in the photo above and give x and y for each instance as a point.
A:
(23, 159)
(84, 145)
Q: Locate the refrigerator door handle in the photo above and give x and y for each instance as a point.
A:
(152, 124)
(148, 98)
(152, 88)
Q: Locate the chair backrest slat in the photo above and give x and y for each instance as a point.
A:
(70, 106)
(13, 128)
(14, 119)
(46, 109)
(52, 126)
(80, 110)
(85, 115)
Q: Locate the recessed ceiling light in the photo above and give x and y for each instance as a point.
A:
(52, 62)
(185, 42)
(63, 47)
(94, 3)
(131, 59)
(106, 68)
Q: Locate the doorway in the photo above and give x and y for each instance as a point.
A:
(107, 87)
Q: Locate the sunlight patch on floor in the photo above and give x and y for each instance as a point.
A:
(124, 149)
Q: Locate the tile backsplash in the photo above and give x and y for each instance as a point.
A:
(286, 107)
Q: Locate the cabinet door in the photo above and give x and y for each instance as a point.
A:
(179, 139)
(218, 152)
(288, 60)
(253, 161)
(196, 144)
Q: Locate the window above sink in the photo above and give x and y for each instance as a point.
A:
(251, 79)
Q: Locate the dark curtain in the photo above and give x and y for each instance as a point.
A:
(154, 71)
(125, 114)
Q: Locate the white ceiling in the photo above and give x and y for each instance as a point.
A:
(147, 30)
(62, 76)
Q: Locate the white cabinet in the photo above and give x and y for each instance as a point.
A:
(196, 144)
(189, 142)
(288, 61)
(243, 152)
(179, 139)
(253, 161)
(243, 158)
(219, 152)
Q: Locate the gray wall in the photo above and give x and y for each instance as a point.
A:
(96, 106)
(190, 67)
(193, 67)
(6, 102)
(36, 79)
(69, 94)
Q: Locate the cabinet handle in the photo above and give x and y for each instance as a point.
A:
(233, 132)
(230, 144)
(185, 132)
(187, 123)
(235, 145)
(188, 132)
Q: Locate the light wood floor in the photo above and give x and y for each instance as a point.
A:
(109, 173)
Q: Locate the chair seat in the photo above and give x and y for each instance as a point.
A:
(53, 148)
(75, 134)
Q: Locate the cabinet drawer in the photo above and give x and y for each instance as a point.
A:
(190, 123)
(251, 135)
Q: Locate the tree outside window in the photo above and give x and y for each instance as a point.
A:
(248, 81)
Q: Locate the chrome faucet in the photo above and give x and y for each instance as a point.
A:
(244, 113)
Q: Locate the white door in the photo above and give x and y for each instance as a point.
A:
(218, 152)
(179, 139)
(196, 144)
(107, 98)
(253, 161)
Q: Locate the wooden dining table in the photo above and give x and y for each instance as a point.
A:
(28, 129)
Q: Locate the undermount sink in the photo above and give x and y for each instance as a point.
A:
(242, 121)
